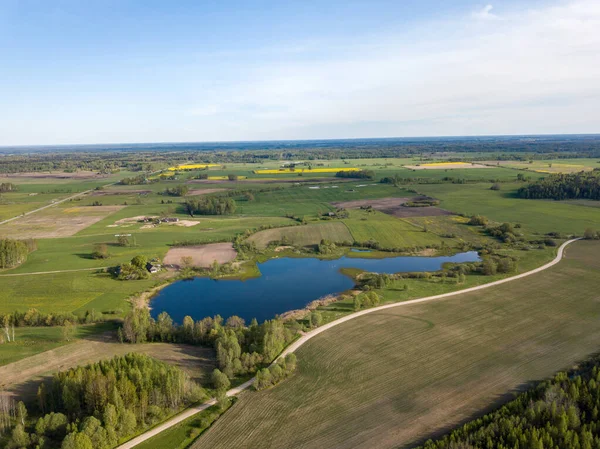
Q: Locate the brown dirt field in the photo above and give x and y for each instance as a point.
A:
(55, 175)
(22, 378)
(393, 206)
(446, 167)
(56, 222)
(196, 192)
(202, 255)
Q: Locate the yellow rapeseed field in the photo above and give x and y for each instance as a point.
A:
(192, 166)
(303, 170)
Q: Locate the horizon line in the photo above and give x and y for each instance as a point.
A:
(209, 142)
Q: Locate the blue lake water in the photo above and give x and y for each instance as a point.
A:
(285, 284)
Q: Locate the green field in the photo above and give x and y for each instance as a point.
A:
(183, 434)
(407, 373)
(304, 235)
(33, 340)
(388, 231)
(503, 205)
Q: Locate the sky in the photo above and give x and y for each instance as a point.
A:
(104, 71)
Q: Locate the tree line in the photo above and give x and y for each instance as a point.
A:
(210, 206)
(98, 405)
(14, 252)
(240, 349)
(564, 186)
(563, 412)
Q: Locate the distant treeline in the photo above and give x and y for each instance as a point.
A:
(210, 206)
(361, 174)
(150, 157)
(563, 187)
(14, 252)
(563, 412)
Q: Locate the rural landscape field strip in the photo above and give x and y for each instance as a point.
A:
(401, 374)
(309, 335)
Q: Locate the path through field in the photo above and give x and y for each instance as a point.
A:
(270, 417)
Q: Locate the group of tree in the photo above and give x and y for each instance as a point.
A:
(210, 206)
(136, 180)
(178, 190)
(591, 234)
(7, 187)
(563, 412)
(98, 405)
(134, 270)
(240, 349)
(14, 252)
(366, 300)
(356, 174)
(34, 318)
(275, 373)
(585, 185)
(492, 265)
(505, 232)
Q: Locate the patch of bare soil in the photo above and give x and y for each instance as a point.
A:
(394, 206)
(56, 175)
(54, 223)
(196, 192)
(446, 166)
(202, 255)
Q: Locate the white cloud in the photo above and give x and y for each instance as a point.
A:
(484, 13)
(536, 70)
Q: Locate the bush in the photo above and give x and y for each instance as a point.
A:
(478, 220)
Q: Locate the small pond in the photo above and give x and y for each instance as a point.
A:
(285, 284)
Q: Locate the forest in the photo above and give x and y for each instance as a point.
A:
(98, 405)
(210, 206)
(564, 187)
(559, 413)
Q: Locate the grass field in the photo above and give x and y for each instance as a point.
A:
(184, 433)
(304, 235)
(33, 340)
(503, 205)
(408, 373)
(390, 232)
(302, 200)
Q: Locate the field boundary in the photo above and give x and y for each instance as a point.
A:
(306, 337)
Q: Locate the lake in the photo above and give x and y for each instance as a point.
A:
(285, 284)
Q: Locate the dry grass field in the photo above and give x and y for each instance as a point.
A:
(393, 378)
(303, 235)
(56, 222)
(201, 255)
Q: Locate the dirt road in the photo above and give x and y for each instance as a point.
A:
(306, 337)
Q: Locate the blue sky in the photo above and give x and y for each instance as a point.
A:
(143, 71)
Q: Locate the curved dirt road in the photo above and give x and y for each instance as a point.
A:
(294, 346)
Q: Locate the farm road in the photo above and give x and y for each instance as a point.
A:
(306, 337)
(52, 272)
